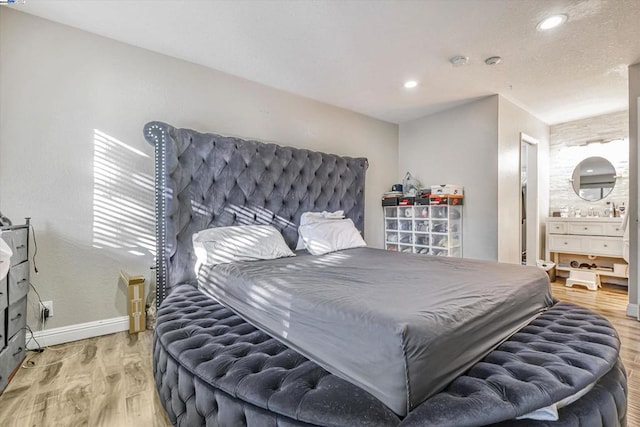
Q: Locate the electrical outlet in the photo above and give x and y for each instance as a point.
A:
(49, 305)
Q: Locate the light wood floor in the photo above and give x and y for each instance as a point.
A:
(103, 381)
(108, 381)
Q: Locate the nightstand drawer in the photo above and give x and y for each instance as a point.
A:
(17, 241)
(557, 227)
(565, 243)
(3, 329)
(18, 282)
(597, 228)
(16, 350)
(604, 246)
(10, 358)
(4, 295)
(17, 317)
(5, 368)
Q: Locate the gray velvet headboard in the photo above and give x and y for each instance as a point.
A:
(208, 180)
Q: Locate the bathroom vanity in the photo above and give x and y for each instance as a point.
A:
(575, 243)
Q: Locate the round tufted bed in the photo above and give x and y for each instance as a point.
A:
(213, 368)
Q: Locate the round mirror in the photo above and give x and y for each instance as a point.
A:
(594, 178)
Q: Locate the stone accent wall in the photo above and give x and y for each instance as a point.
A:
(565, 153)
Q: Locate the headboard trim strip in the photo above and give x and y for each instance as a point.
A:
(155, 134)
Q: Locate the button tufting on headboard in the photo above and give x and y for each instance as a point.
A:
(209, 180)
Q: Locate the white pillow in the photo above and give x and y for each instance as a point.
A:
(311, 217)
(223, 245)
(329, 236)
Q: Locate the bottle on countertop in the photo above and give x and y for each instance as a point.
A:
(622, 210)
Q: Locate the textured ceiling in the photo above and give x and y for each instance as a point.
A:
(356, 54)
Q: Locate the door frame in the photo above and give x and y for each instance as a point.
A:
(533, 215)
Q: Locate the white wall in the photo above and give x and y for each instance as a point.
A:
(565, 153)
(73, 104)
(634, 187)
(477, 145)
(512, 121)
(460, 146)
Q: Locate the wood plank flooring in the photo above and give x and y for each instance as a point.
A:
(108, 381)
(102, 381)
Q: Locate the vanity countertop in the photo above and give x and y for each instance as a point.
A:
(588, 219)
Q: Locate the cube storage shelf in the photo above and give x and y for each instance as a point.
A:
(424, 229)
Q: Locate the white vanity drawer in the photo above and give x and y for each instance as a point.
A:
(605, 246)
(614, 229)
(565, 243)
(557, 227)
(597, 228)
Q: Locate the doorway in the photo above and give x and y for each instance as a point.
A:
(529, 215)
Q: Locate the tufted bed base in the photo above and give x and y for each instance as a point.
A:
(212, 368)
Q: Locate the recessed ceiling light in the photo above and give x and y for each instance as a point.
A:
(552, 22)
(410, 84)
(459, 60)
(493, 60)
(589, 170)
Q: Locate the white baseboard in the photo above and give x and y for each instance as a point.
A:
(80, 331)
(632, 310)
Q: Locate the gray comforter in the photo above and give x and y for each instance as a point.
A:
(399, 326)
